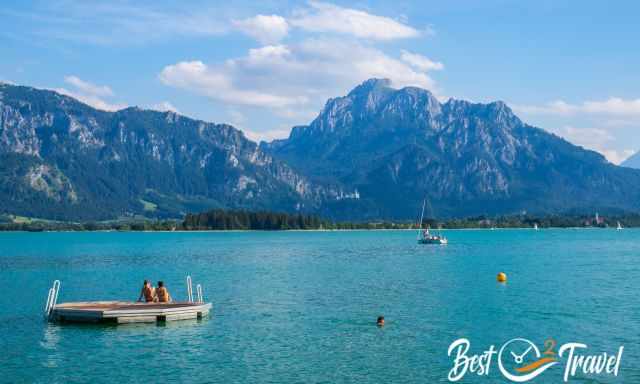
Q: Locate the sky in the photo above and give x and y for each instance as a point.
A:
(570, 67)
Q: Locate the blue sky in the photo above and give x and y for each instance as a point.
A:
(571, 67)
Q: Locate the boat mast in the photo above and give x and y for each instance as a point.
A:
(421, 217)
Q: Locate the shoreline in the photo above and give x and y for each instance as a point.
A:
(308, 230)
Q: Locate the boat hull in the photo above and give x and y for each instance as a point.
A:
(432, 241)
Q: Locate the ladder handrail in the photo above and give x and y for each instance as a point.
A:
(189, 289)
(52, 298)
(199, 290)
(56, 288)
(49, 298)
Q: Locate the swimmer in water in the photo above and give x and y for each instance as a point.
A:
(380, 321)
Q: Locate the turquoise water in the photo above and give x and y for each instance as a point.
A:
(301, 306)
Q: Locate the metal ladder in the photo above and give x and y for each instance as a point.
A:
(190, 292)
(52, 299)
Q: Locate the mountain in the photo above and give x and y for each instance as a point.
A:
(633, 161)
(372, 154)
(61, 159)
(393, 147)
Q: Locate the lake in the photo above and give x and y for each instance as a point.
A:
(301, 306)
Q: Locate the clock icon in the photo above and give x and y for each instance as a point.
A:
(520, 360)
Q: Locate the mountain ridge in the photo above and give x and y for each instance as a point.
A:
(67, 158)
(374, 153)
(474, 158)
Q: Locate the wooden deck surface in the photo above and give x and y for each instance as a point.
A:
(128, 312)
(120, 305)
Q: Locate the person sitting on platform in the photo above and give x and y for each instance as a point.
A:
(147, 291)
(162, 294)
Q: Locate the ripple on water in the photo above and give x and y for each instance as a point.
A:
(301, 306)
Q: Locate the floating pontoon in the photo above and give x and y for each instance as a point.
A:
(119, 312)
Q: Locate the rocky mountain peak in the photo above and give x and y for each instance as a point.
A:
(370, 86)
(395, 146)
(374, 153)
(497, 112)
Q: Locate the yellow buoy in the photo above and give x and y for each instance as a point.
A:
(502, 277)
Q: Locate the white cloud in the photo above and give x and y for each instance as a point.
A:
(130, 22)
(335, 52)
(90, 94)
(293, 80)
(325, 17)
(267, 54)
(265, 29)
(596, 139)
(421, 62)
(268, 135)
(217, 83)
(91, 100)
(613, 106)
(557, 107)
(165, 106)
(239, 121)
(88, 88)
(117, 23)
(592, 138)
(616, 120)
(617, 156)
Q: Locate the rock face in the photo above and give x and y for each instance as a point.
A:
(373, 154)
(61, 159)
(396, 147)
(632, 162)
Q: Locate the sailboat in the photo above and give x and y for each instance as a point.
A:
(425, 237)
(619, 227)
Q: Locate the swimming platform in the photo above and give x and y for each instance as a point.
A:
(123, 312)
(119, 312)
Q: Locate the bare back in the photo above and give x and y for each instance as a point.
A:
(148, 293)
(163, 295)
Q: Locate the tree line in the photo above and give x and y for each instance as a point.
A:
(220, 219)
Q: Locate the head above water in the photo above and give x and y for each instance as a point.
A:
(380, 321)
(160, 284)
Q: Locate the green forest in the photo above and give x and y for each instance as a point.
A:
(220, 219)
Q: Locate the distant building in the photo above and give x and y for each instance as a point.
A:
(355, 195)
(599, 220)
(596, 221)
